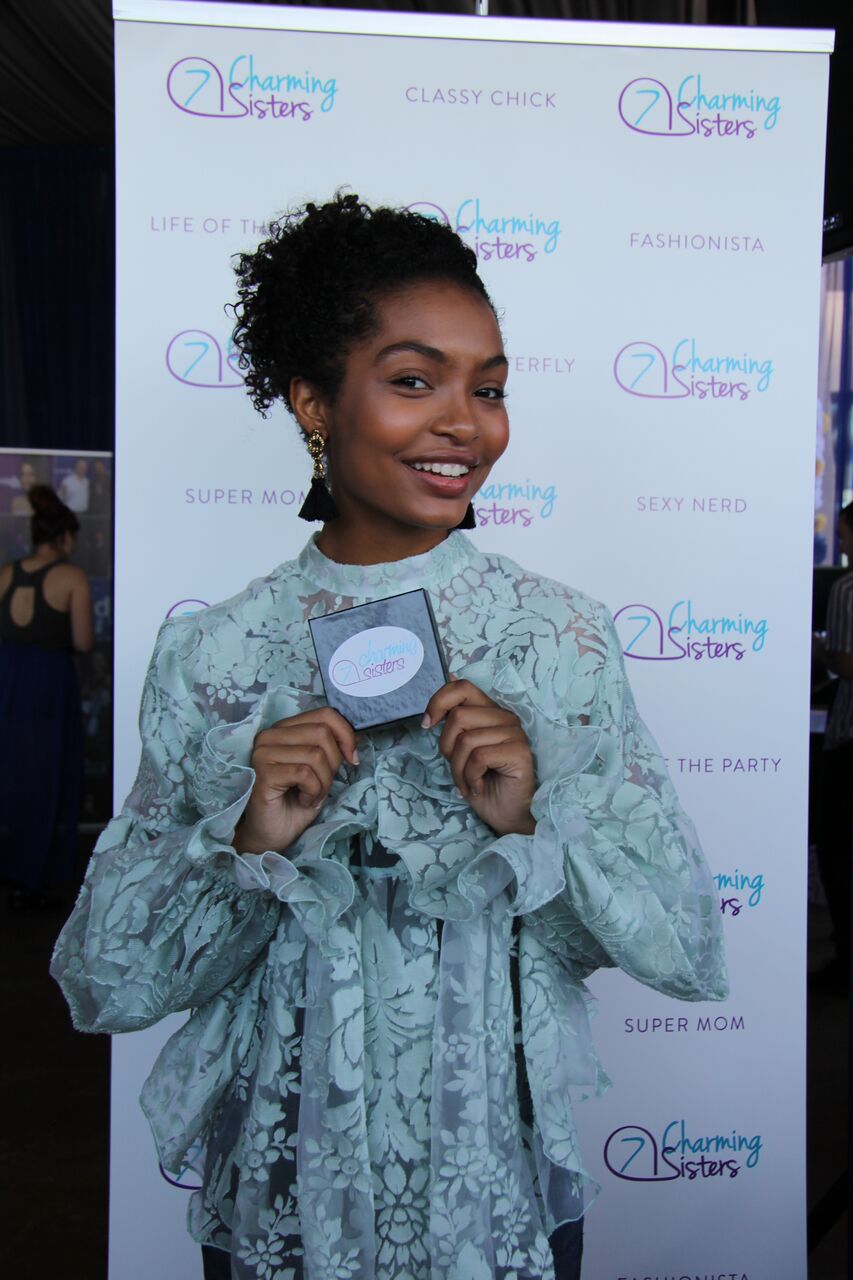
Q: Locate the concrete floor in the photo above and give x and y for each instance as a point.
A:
(54, 1142)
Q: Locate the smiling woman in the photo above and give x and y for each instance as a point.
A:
(383, 938)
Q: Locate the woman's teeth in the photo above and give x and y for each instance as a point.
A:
(442, 468)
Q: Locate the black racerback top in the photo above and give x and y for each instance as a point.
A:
(48, 628)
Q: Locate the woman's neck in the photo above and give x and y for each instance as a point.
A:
(45, 553)
(347, 543)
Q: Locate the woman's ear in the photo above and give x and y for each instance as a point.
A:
(309, 407)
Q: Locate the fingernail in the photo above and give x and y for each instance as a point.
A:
(355, 758)
(426, 722)
(458, 793)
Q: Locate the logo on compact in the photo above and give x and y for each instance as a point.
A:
(691, 369)
(376, 661)
(241, 90)
(494, 232)
(695, 109)
(685, 632)
(635, 1154)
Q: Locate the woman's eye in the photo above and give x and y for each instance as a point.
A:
(491, 393)
(411, 382)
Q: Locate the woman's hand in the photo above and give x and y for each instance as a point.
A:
(295, 761)
(488, 754)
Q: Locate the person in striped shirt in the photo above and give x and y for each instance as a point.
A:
(835, 845)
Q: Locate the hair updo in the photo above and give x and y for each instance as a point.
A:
(307, 294)
(51, 518)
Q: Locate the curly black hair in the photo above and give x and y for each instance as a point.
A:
(308, 292)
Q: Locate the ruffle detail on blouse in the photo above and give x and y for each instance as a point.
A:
(317, 889)
(456, 864)
(404, 794)
(195, 1069)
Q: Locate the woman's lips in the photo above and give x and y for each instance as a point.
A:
(446, 486)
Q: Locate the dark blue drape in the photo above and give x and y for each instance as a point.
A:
(57, 297)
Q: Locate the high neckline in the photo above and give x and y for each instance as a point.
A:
(425, 570)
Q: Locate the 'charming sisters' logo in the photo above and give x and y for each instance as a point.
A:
(643, 369)
(634, 1154)
(739, 891)
(494, 233)
(239, 90)
(684, 632)
(647, 105)
(376, 661)
(195, 358)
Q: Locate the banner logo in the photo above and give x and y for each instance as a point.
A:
(513, 502)
(739, 891)
(183, 608)
(195, 358)
(693, 109)
(634, 1154)
(684, 632)
(496, 233)
(376, 661)
(242, 91)
(643, 369)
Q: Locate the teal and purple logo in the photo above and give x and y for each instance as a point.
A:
(197, 359)
(739, 890)
(691, 369)
(494, 232)
(684, 631)
(634, 1153)
(185, 608)
(696, 109)
(243, 89)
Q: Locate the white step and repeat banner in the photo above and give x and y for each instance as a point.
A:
(645, 203)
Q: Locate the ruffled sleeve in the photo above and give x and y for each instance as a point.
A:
(162, 922)
(638, 892)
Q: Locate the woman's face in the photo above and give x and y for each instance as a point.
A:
(420, 417)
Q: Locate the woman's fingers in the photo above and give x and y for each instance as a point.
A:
(453, 694)
(323, 723)
(500, 748)
(334, 741)
(304, 766)
(466, 717)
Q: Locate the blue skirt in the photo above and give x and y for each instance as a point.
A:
(41, 766)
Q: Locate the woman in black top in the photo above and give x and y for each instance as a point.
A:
(45, 616)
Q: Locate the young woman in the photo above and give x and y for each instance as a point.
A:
(45, 616)
(356, 1086)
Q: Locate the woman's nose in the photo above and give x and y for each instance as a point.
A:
(457, 418)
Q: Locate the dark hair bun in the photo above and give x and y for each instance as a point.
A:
(45, 501)
(51, 518)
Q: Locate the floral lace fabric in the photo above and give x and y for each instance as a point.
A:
(345, 1085)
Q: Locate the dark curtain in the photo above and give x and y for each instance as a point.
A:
(57, 290)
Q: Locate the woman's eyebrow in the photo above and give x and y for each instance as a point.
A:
(433, 353)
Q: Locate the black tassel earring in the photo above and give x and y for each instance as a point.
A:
(319, 503)
(469, 520)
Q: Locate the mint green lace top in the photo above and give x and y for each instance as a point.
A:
(345, 1085)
